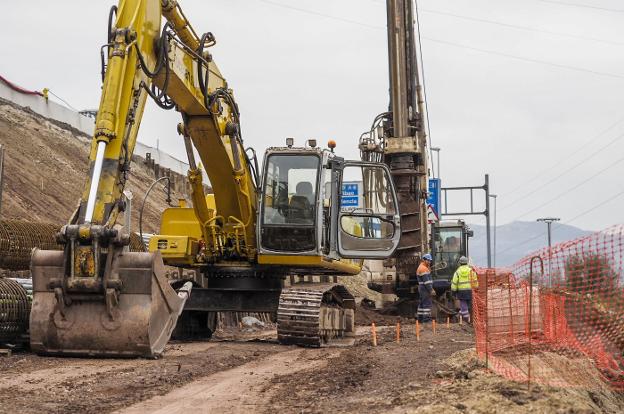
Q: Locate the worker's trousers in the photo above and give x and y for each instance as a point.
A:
(465, 304)
(424, 306)
(464, 309)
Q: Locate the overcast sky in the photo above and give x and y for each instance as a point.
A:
(529, 91)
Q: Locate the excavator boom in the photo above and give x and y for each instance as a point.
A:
(93, 298)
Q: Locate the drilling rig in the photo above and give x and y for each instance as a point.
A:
(398, 138)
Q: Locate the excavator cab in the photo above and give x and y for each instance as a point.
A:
(307, 215)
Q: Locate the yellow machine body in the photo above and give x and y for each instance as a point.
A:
(96, 299)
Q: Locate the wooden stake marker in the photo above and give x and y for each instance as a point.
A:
(448, 322)
(417, 331)
(374, 333)
(433, 323)
(398, 331)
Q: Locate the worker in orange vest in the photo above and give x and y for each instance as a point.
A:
(425, 288)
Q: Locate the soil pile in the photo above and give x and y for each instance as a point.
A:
(46, 168)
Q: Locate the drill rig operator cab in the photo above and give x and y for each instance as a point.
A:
(304, 216)
(450, 242)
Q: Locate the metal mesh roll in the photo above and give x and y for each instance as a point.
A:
(14, 310)
(19, 237)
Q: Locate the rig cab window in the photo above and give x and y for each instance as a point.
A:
(449, 246)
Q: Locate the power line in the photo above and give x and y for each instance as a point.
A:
(526, 59)
(319, 14)
(585, 6)
(554, 166)
(515, 26)
(519, 27)
(593, 208)
(453, 44)
(573, 188)
(573, 167)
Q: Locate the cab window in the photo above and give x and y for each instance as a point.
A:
(289, 203)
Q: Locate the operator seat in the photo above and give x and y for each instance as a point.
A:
(302, 204)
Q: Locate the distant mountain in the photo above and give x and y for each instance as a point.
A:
(517, 239)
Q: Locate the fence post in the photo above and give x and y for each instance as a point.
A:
(531, 312)
(511, 317)
(486, 320)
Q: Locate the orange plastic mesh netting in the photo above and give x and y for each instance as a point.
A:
(556, 317)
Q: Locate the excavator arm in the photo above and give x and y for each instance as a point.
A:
(93, 298)
(173, 66)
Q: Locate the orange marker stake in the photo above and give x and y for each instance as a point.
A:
(434, 326)
(398, 332)
(448, 322)
(461, 320)
(374, 334)
(417, 331)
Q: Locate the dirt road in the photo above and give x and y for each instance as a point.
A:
(235, 390)
(437, 374)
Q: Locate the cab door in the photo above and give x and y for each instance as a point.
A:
(368, 222)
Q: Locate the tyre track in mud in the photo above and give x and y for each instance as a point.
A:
(238, 390)
(29, 383)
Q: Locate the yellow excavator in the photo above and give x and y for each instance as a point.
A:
(96, 299)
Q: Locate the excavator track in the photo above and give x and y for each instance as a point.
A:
(316, 315)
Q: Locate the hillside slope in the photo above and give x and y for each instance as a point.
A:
(46, 168)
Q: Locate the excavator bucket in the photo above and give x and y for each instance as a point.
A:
(138, 324)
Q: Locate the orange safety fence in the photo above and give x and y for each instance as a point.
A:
(556, 317)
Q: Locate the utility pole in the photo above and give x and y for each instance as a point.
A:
(549, 221)
(494, 196)
(487, 220)
(437, 151)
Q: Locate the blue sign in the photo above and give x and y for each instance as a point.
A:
(350, 195)
(434, 198)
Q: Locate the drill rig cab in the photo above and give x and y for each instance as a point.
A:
(450, 240)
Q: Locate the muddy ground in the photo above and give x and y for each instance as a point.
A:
(241, 374)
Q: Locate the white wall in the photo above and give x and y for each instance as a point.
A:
(57, 112)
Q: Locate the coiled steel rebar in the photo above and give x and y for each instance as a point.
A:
(19, 237)
(14, 310)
